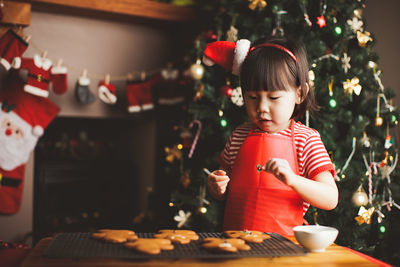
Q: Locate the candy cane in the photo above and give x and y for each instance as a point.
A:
(195, 138)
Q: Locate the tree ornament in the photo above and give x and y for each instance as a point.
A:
(186, 136)
(364, 215)
(197, 70)
(365, 140)
(363, 38)
(196, 138)
(232, 34)
(182, 218)
(352, 85)
(306, 17)
(226, 90)
(185, 179)
(360, 198)
(237, 97)
(173, 153)
(199, 92)
(278, 30)
(378, 121)
(388, 141)
(311, 77)
(345, 62)
(355, 24)
(321, 21)
(260, 4)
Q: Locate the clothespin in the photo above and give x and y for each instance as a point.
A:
(59, 62)
(28, 38)
(84, 73)
(44, 54)
(107, 79)
(143, 75)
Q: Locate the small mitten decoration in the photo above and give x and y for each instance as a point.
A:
(82, 92)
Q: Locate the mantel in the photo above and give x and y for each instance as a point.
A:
(139, 8)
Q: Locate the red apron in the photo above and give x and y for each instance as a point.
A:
(258, 200)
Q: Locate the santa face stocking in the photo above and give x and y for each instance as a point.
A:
(139, 94)
(11, 187)
(23, 118)
(11, 46)
(82, 92)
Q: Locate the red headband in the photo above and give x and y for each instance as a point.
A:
(276, 46)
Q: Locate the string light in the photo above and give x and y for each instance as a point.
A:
(338, 30)
(382, 229)
(224, 123)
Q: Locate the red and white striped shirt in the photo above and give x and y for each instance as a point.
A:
(312, 156)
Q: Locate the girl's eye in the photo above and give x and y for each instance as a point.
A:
(274, 97)
(252, 96)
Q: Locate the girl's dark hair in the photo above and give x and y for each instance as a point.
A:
(272, 69)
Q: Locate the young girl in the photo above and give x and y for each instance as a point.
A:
(272, 168)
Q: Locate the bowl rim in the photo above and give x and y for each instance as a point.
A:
(310, 228)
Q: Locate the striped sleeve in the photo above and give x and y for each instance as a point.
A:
(316, 158)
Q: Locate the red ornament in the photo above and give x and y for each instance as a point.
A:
(321, 21)
(226, 90)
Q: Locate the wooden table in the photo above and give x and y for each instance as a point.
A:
(333, 256)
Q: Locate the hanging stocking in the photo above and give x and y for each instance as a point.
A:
(82, 92)
(23, 118)
(139, 94)
(107, 92)
(169, 90)
(59, 79)
(12, 46)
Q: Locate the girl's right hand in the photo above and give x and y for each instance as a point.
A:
(217, 182)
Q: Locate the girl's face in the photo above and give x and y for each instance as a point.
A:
(271, 111)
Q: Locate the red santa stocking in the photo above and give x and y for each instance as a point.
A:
(23, 118)
(107, 93)
(12, 46)
(59, 79)
(139, 94)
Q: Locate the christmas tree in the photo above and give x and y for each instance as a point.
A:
(354, 121)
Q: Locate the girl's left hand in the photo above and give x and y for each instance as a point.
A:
(281, 169)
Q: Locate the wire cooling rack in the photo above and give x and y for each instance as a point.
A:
(81, 245)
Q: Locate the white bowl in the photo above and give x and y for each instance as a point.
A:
(315, 238)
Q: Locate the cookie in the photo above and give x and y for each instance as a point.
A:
(226, 245)
(150, 245)
(177, 236)
(249, 236)
(115, 236)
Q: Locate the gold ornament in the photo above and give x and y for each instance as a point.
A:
(364, 215)
(173, 153)
(360, 198)
(378, 121)
(352, 85)
(185, 179)
(260, 4)
(197, 70)
(199, 92)
(363, 38)
(232, 34)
